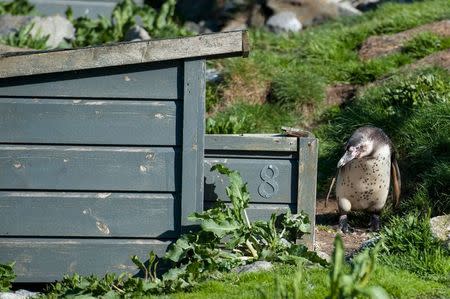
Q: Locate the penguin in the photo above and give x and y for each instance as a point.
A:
(364, 175)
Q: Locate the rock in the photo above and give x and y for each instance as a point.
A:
(197, 28)
(239, 22)
(213, 75)
(136, 33)
(345, 9)
(254, 267)
(57, 27)
(20, 294)
(285, 21)
(11, 24)
(257, 17)
(440, 228)
(308, 12)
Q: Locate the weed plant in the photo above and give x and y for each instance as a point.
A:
(7, 276)
(24, 39)
(125, 14)
(16, 7)
(226, 239)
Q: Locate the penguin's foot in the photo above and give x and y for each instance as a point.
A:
(375, 223)
(344, 226)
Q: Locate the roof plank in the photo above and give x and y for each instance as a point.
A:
(226, 44)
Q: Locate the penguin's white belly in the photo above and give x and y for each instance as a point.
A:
(363, 184)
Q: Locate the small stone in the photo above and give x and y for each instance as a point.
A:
(254, 267)
(20, 294)
(11, 24)
(136, 33)
(58, 28)
(197, 28)
(440, 228)
(213, 75)
(285, 21)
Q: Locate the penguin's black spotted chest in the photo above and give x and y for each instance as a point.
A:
(363, 184)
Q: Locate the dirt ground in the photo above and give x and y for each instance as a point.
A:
(326, 229)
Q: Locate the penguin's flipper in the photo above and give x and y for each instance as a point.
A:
(396, 181)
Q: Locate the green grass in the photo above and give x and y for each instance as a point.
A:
(298, 66)
(413, 109)
(314, 284)
(248, 118)
(410, 245)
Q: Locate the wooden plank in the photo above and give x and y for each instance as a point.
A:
(47, 260)
(269, 180)
(145, 81)
(89, 121)
(193, 139)
(307, 180)
(251, 142)
(87, 168)
(69, 214)
(225, 44)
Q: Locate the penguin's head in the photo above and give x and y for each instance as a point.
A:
(363, 143)
(356, 151)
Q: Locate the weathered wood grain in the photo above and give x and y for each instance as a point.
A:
(47, 260)
(145, 81)
(112, 122)
(193, 139)
(269, 180)
(88, 168)
(71, 214)
(307, 181)
(226, 44)
(251, 142)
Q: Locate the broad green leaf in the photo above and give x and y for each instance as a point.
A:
(220, 229)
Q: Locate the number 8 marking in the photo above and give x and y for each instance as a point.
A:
(268, 175)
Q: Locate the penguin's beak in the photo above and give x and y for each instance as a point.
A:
(347, 157)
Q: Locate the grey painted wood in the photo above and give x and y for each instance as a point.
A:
(307, 180)
(111, 122)
(69, 214)
(251, 142)
(225, 44)
(296, 169)
(87, 168)
(47, 260)
(193, 139)
(146, 81)
(269, 180)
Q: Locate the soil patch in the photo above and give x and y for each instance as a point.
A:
(438, 59)
(339, 94)
(327, 228)
(376, 46)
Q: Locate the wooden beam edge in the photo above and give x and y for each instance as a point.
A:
(207, 46)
